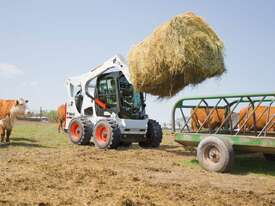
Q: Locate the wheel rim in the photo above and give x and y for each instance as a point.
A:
(75, 131)
(212, 154)
(102, 134)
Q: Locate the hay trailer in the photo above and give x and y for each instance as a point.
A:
(218, 126)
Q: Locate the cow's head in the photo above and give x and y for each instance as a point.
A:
(20, 107)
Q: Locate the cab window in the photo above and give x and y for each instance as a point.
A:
(107, 92)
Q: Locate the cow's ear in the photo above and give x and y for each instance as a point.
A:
(17, 102)
(26, 101)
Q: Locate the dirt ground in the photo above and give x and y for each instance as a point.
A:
(41, 168)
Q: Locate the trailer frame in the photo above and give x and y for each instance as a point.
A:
(238, 134)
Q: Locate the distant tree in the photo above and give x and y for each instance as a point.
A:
(52, 116)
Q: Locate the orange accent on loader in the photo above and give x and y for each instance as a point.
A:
(101, 104)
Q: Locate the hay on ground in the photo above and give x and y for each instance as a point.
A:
(182, 51)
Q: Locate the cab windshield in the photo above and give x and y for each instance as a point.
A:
(131, 101)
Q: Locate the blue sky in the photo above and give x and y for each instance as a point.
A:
(44, 42)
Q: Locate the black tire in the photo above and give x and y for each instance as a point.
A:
(125, 144)
(80, 131)
(269, 157)
(106, 134)
(153, 135)
(215, 154)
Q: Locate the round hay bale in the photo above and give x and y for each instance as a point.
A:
(182, 51)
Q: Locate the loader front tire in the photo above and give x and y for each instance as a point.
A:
(79, 131)
(106, 134)
(153, 135)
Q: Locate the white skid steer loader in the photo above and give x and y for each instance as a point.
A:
(104, 108)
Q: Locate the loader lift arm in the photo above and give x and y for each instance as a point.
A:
(114, 62)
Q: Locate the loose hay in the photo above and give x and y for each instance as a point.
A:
(182, 51)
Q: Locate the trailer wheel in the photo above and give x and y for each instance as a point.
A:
(269, 157)
(215, 154)
(153, 135)
(106, 134)
(79, 131)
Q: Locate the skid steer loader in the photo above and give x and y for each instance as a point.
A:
(104, 108)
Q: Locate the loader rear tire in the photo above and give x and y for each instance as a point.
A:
(215, 154)
(269, 157)
(153, 135)
(79, 131)
(106, 134)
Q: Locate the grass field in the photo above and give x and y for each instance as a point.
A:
(41, 167)
(45, 135)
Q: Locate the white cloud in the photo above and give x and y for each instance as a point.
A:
(9, 70)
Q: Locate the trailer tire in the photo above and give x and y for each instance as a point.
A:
(80, 131)
(269, 157)
(106, 134)
(215, 154)
(153, 135)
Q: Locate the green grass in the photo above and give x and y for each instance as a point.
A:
(27, 135)
(36, 135)
(193, 163)
(243, 165)
(255, 164)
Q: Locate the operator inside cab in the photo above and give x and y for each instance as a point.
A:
(118, 94)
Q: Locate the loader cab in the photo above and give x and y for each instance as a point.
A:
(115, 91)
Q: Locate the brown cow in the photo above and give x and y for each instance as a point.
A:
(9, 110)
(199, 115)
(61, 115)
(6, 125)
(5, 107)
(247, 124)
